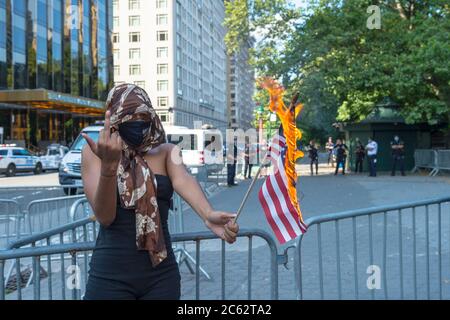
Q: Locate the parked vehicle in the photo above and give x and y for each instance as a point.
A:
(199, 147)
(14, 159)
(70, 167)
(53, 157)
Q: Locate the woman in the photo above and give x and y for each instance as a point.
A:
(129, 177)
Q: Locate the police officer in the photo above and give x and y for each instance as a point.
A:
(231, 165)
(341, 156)
(372, 152)
(360, 153)
(248, 161)
(313, 154)
(398, 155)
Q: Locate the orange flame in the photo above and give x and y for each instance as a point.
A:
(292, 133)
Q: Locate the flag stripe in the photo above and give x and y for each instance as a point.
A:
(278, 199)
(270, 219)
(288, 208)
(273, 213)
(291, 211)
(283, 184)
(282, 215)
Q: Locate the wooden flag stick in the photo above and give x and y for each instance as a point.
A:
(252, 185)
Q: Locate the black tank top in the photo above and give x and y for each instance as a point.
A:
(116, 255)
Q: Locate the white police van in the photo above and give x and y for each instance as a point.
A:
(200, 147)
(53, 157)
(14, 159)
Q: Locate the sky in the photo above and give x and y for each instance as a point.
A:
(299, 3)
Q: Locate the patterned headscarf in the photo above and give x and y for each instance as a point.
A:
(136, 182)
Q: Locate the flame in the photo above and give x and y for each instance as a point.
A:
(288, 118)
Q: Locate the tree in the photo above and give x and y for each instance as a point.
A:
(342, 69)
(407, 60)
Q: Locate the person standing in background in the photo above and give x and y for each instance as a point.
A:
(248, 164)
(330, 147)
(341, 156)
(372, 151)
(360, 155)
(398, 155)
(313, 154)
(231, 165)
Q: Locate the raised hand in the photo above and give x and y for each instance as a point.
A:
(108, 148)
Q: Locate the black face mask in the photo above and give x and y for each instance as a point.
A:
(133, 132)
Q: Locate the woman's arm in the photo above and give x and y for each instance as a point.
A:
(221, 223)
(184, 184)
(100, 189)
(100, 162)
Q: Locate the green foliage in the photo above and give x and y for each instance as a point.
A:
(341, 68)
(407, 60)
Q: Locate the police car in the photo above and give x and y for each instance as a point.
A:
(53, 157)
(14, 159)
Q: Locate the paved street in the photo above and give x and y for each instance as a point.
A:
(319, 195)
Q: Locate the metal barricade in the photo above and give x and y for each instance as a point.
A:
(10, 222)
(80, 209)
(22, 273)
(176, 226)
(426, 159)
(45, 214)
(390, 252)
(443, 160)
(54, 279)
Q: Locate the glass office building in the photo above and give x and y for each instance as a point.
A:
(55, 68)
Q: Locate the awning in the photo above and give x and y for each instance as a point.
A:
(47, 99)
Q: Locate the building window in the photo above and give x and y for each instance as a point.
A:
(134, 21)
(135, 53)
(162, 19)
(115, 38)
(163, 102)
(116, 71)
(135, 37)
(135, 69)
(163, 68)
(163, 85)
(116, 22)
(162, 36)
(161, 4)
(140, 84)
(134, 4)
(115, 5)
(163, 116)
(162, 52)
(116, 55)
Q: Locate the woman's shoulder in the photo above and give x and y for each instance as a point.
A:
(163, 151)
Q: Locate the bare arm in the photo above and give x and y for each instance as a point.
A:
(100, 162)
(100, 189)
(186, 185)
(221, 223)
